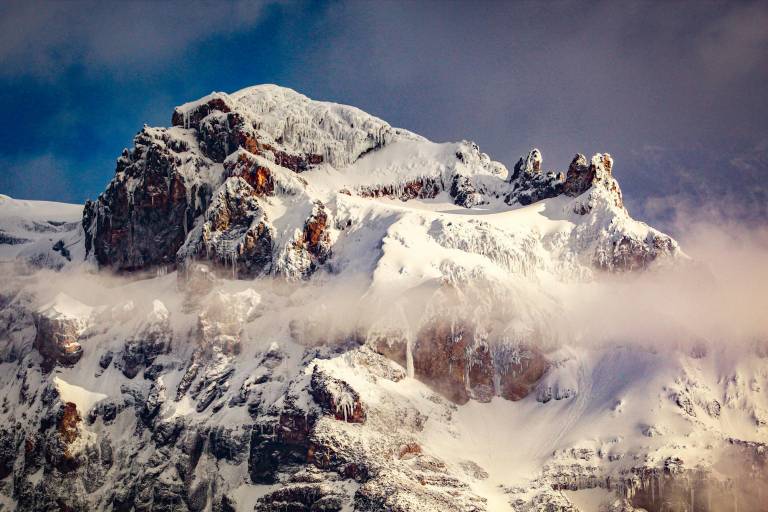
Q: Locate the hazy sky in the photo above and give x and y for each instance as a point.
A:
(676, 91)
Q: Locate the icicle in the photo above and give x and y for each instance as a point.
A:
(409, 357)
(693, 502)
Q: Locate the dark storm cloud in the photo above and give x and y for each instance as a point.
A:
(601, 68)
(667, 87)
(44, 37)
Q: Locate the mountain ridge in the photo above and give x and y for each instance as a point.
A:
(262, 133)
(282, 304)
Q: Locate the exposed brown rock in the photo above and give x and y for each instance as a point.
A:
(520, 376)
(409, 450)
(630, 254)
(421, 188)
(68, 431)
(57, 340)
(579, 176)
(449, 357)
(582, 176)
(143, 216)
(315, 236)
(257, 176)
(237, 234)
(296, 162)
(68, 423)
(440, 359)
(336, 397)
(193, 118)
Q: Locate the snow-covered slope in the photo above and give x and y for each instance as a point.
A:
(284, 304)
(44, 233)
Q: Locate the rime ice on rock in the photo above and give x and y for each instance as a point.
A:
(238, 160)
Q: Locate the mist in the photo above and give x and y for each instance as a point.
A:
(716, 295)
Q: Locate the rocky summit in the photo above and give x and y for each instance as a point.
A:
(281, 304)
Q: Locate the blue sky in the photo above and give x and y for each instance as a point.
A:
(675, 91)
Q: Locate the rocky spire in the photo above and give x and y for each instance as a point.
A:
(530, 184)
(529, 165)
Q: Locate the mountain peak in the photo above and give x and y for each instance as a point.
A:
(291, 153)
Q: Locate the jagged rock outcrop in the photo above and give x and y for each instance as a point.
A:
(530, 184)
(627, 253)
(337, 398)
(143, 216)
(456, 361)
(581, 177)
(315, 237)
(422, 188)
(300, 497)
(247, 167)
(153, 339)
(216, 184)
(236, 233)
(59, 326)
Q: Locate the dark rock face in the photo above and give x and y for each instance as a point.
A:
(286, 443)
(57, 339)
(629, 254)
(62, 249)
(236, 233)
(142, 218)
(6, 239)
(530, 164)
(579, 177)
(220, 133)
(150, 208)
(582, 176)
(257, 176)
(337, 398)
(530, 184)
(46, 449)
(302, 498)
(464, 192)
(7, 451)
(153, 340)
(192, 119)
(297, 163)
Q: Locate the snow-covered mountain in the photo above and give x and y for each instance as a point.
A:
(285, 304)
